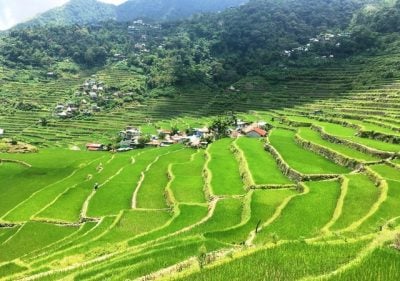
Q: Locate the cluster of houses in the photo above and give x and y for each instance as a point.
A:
(132, 137)
(92, 89)
(322, 38)
(250, 129)
(91, 92)
(66, 110)
(140, 29)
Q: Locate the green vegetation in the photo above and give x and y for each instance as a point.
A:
(306, 260)
(263, 205)
(294, 155)
(188, 184)
(225, 177)
(297, 222)
(382, 264)
(261, 164)
(320, 77)
(361, 195)
(314, 137)
(30, 237)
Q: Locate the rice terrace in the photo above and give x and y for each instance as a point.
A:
(289, 170)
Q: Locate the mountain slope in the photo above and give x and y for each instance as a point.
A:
(75, 12)
(93, 11)
(171, 9)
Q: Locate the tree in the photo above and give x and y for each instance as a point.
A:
(143, 140)
(174, 130)
(43, 122)
(220, 126)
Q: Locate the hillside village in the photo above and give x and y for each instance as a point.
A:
(132, 137)
(92, 97)
(328, 42)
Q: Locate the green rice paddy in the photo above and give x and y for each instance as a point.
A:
(228, 212)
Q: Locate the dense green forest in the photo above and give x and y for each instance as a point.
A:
(93, 11)
(75, 12)
(216, 49)
(171, 9)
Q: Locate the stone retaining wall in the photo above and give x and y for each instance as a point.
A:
(357, 146)
(329, 153)
(291, 173)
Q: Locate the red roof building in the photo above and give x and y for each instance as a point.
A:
(256, 133)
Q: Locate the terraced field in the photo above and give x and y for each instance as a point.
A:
(318, 199)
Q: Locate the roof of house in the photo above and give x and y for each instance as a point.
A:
(1, 131)
(259, 131)
(94, 145)
(202, 130)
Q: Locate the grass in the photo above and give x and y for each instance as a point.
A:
(389, 209)
(382, 264)
(143, 241)
(45, 196)
(225, 178)
(314, 137)
(77, 247)
(302, 160)
(361, 195)
(188, 185)
(263, 204)
(271, 264)
(135, 222)
(261, 164)
(351, 135)
(387, 172)
(228, 213)
(298, 221)
(116, 195)
(6, 233)
(10, 268)
(69, 204)
(151, 194)
(136, 266)
(32, 236)
(20, 183)
(189, 215)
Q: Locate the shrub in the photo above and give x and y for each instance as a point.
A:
(397, 242)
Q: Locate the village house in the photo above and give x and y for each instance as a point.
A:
(96, 147)
(255, 130)
(129, 137)
(242, 124)
(1, 133)
(130, 133)
(256, 133)
(195, 142)
(153, 143)
(165, 143)
(201, 132)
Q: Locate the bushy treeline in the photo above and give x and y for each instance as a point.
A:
(211, 48)
(380, 18)
(42, 46)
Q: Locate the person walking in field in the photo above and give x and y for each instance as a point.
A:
(96, 186)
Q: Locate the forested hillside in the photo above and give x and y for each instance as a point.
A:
(211, 48)
(75, 12)
(93, 11)
(171, 9)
